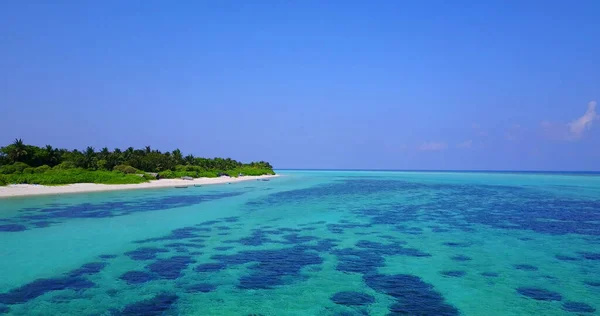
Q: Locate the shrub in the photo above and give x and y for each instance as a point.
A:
(101, 164)
(167, 174)
(28, 170)
(64, 165)
(3, 180)
(126, 169)
(58, 177)
(148, 176)
(179, 174)
(41, 169)
(16, 167)
(207, 174)
(8, 169)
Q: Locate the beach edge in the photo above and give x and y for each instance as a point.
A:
(28, 190)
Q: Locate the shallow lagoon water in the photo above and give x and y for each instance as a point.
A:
(311, 243)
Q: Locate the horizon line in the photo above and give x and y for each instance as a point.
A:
(442, 170)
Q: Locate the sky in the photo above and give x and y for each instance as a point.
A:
(494, 85)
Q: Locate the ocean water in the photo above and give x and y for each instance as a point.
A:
(311, 243)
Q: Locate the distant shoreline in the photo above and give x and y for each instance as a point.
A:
(25, 190)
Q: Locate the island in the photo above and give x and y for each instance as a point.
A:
(26, 166)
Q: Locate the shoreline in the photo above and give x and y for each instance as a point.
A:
(25, 190)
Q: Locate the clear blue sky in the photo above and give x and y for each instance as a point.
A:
(310, 84)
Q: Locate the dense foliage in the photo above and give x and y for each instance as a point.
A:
(21, 163)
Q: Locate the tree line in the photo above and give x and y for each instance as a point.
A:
(147, 159)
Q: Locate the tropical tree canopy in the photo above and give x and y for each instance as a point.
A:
(146, 159)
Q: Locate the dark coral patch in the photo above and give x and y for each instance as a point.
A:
(566, 258)
(296, 239)
(456, 244)
(136, 277)
(265, 280)
(395, 248)
(157, 305)
(578, 307)
(272, 265)
(324, 245)
(201, 287)
(350, 298)
(107, 256)
(4, 309)
(339, 228)
(231, 219)
(413, 296)
(461, 258)
(184, 245)
(358, 261)
(539, 294)
(40, 287)
(119, 208)
(146, 253)
(208, 223)
(223, 248)
(179, 233)
(210, 267)
(370, 256)
(258, 238)
(410, 230)
(12, 228)
(525, 267)
(170, 268)
(42, 224)
(490, 274)
(88, 268)
(592, 283)
(453, 273)
(590, 255)
(289, 230)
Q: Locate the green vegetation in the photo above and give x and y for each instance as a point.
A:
(20, 163)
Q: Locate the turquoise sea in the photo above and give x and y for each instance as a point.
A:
(311, 243)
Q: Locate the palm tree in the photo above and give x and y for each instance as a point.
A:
(128, 153)
(50, 156)
(104, 152)
(178, 156)
(90, 158)
(189, 159)
(148, 149)
(17, 151)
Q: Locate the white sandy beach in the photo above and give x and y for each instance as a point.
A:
(15, 190)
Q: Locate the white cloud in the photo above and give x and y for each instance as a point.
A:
(578, 126)
(433, 146)
(465, 144)
(573, 130)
